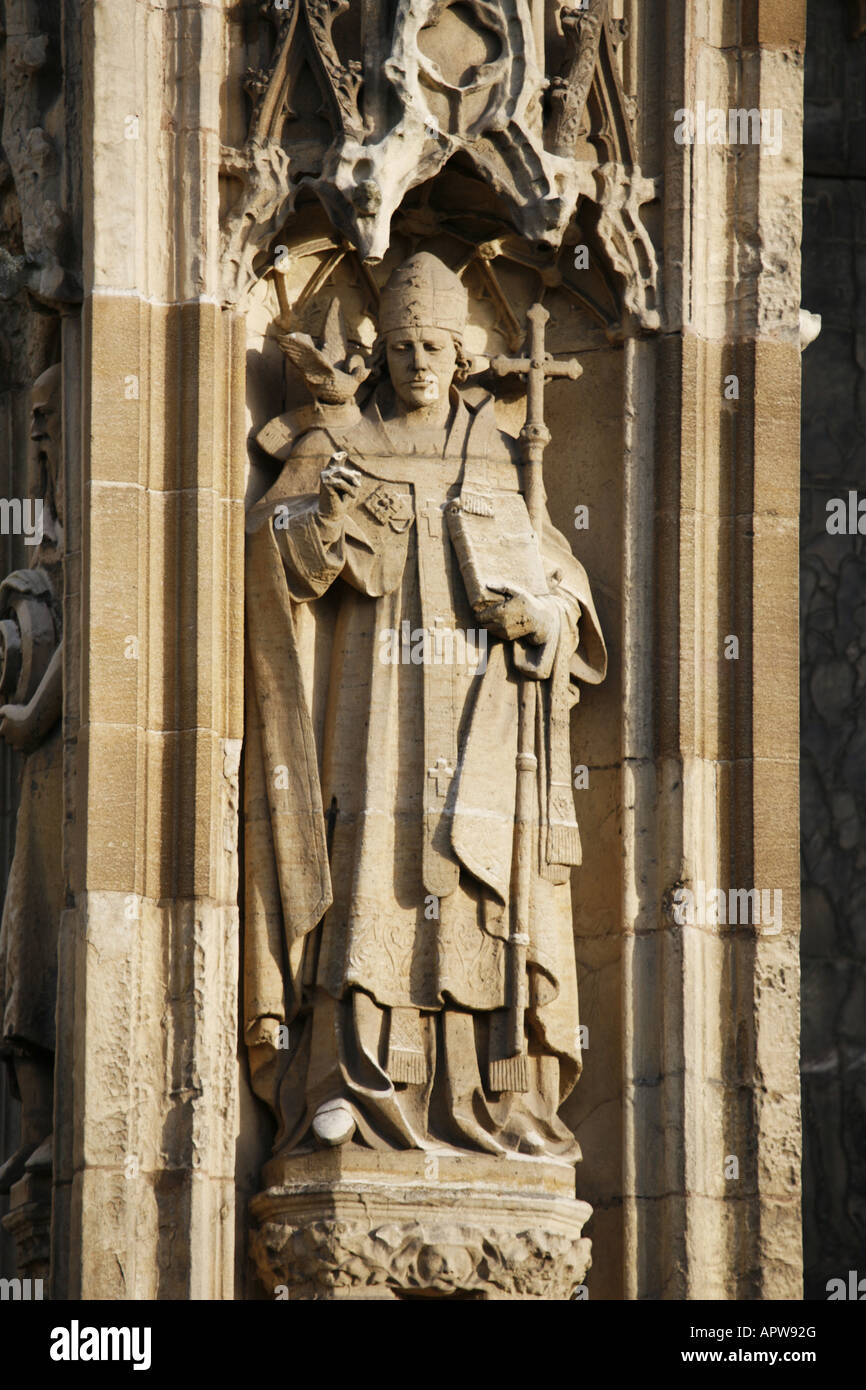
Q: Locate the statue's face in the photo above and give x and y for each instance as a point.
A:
(45, 422)
(421, 364)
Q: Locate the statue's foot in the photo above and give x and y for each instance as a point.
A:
(13, 1168)
(333, 1124)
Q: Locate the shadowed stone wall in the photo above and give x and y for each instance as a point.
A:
(834, 651)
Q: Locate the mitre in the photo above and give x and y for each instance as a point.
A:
(423, 293)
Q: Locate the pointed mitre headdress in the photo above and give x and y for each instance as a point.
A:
(423, 293)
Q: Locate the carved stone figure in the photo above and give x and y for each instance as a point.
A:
(31, 689)
(399, 601)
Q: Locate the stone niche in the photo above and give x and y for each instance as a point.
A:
(456, 217)
(320, 273)
(530, 148)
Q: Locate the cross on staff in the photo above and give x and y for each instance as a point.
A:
(512, 1073)
(538, 368)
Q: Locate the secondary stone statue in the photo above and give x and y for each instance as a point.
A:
(410, 977)
(31, 696)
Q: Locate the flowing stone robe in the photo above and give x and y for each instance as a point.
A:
(380, 803)
(34, 892)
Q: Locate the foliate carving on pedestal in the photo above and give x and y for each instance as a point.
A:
(28, 1222)
(437, 1257)
(441, 80)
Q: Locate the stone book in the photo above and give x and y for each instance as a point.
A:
(495, 545)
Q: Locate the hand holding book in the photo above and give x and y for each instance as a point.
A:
(519, 614)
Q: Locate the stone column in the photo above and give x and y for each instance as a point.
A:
(146, 1091)
(711, 1011)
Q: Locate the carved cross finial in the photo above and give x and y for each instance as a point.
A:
(537, 368)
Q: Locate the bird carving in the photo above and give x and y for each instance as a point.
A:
(331, 374)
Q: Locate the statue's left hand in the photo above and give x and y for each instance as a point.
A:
(18, 726)
(520, 615)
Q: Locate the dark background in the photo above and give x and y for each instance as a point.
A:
(833, 650)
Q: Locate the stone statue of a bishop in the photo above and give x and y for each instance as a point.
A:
(397, 597)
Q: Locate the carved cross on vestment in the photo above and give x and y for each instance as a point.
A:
(432, 513)
(441, 773)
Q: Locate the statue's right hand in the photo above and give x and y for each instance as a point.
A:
(267, 1060)
(264, 1033)
(339, 486)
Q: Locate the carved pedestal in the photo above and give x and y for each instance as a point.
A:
(28, 1221)
(350, 1223)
